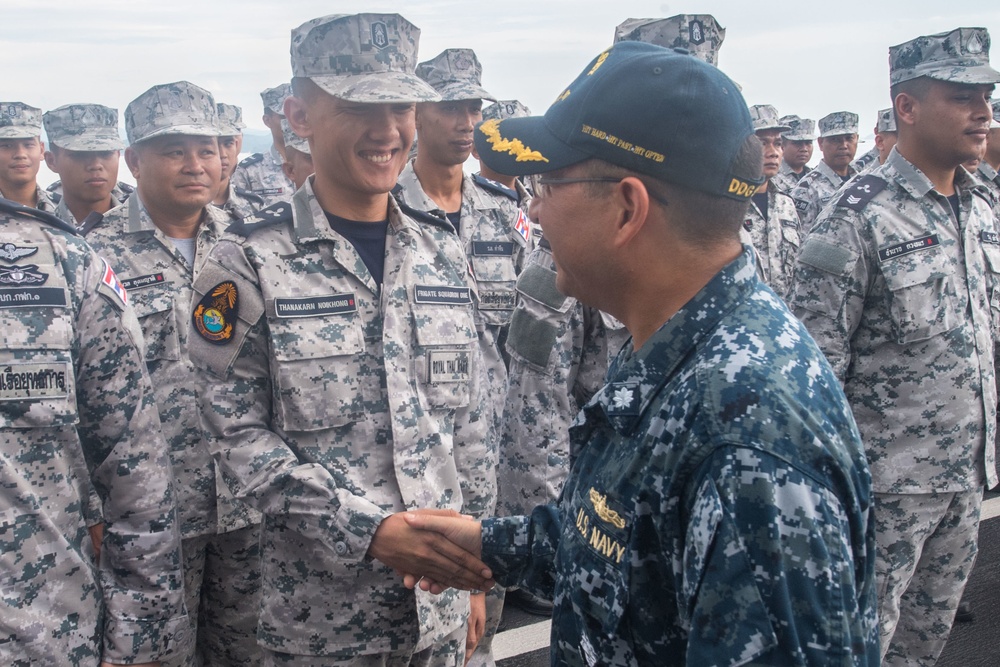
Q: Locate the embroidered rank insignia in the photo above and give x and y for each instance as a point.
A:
(214, 318)
(109, 279)
(990, 237)
(859, 194)
(12, 253)
(522, 227)
(22, 275)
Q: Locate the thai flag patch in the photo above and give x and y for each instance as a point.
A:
(522, 226)
(111, 280)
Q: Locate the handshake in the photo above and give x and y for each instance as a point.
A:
(435, 549)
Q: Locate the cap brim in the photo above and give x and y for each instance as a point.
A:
(838, 133)
(780, 128)
(85, 145)
(18, 132)
(193, 130)
(798, 137)
(377, 88)
(457, 92)
(523, 146)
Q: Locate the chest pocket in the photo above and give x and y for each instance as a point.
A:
(594, 569)
(923, 301)
(155, 310)
(443, 355)
(493, 266)
(319, 371)
(37, 379)
(992, 254)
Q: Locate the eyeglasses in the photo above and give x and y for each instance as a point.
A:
(545, 182)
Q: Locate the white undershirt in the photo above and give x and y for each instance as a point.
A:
(186, 248)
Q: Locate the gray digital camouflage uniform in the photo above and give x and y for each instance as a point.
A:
(814, 191)
(559, 352)
(775, 239)
(117, 193)
(496, 238)
(77, 414)
(261, 174)
(241, 204)
(159, 283)
(786, 179)
(869, 159)
(902, 299)
(991, 179)
(334, 404)
(719, 471)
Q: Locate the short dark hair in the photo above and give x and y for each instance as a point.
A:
(700, 217)
(917, 88)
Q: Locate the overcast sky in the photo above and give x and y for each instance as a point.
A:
(809, 59)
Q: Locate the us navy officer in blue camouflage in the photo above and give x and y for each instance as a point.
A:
(719, 510)
(898, 282)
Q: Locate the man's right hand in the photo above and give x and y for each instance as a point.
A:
(419, 553)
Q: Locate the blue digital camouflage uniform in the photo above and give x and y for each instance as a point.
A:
(77, 414)
(776, 239)
(261, 174)
(719, 511)
(495, 248)
(903, 300)
(159, 283)
(814, 191)
(335, 403)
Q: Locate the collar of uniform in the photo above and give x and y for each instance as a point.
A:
(988, 172)
(137, 220)
(413, 194)
(309, 222)
(479, 198)
(829, 174)
(897, 168)
(636, 380)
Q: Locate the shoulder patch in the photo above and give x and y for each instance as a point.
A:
(214, 318)
(8, 206)
(266, 217)
(250, 196)
(827, 257)
(110, 280)
(494, 187)
(252, 159)
(858, 195)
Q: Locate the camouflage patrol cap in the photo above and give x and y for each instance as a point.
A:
(765, 117)
(700, 34)
(83, 127)
(456, 75)
(803, 129)
(959, 56)
(838, 122)
(171, 108)
(230, 119)
(886, 121)
(366, 58)
(656, 111)
(19, 121)
(505, 109)
(274, 98)
(293, 140)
